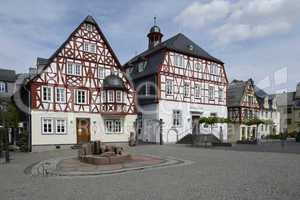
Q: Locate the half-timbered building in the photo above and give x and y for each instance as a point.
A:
(81, 93)
(177, 82)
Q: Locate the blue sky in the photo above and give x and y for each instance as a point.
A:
(255, 38)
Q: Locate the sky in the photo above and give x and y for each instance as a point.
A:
(258, 39)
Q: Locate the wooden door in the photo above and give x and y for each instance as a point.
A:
(83, 130)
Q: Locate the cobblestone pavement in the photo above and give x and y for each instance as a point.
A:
(215, 174)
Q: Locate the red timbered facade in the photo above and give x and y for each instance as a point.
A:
(83, 76)
(178, 82)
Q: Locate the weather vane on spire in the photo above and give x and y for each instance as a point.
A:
(154, 21)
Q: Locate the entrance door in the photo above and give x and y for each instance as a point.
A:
(195, 125)
(83, 130)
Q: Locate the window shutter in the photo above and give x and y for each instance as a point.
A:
(6, 87)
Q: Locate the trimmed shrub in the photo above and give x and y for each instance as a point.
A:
(246, 142)
(23, 142)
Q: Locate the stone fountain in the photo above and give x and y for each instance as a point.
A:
(98, 153)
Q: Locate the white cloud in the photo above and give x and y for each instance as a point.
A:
(197, 15)
(238, 32)
(242, 19)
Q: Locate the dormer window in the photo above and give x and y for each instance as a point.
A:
(142, 66)
(89, 47)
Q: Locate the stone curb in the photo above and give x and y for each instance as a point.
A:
(48, 167)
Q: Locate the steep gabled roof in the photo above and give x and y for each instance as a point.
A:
(235, 92)
(182, 44)
(178, 43)
(7, 75)
(89, 19)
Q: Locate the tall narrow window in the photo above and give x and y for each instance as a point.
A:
(47, 93)
(61, 126)
(186, 89)
(110, 96)
(60, 95)
(47, 126)
(81, 96)
(101, 72)
(147, 88)
(220, 94)
(211, 92)
(197, 91)
(119, 95)
(169, 87)
(177, 118)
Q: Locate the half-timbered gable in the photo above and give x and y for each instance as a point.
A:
(77, 69)
(242, 101)
(81, 92)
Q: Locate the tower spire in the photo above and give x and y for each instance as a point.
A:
(154, 36)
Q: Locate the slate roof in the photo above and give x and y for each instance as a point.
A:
(7, 75)
(178, 43)
(235, 93)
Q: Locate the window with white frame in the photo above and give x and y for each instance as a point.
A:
(101, 72)
(169, 87)
(186, 89)
(2, 86)
(178, 60)
(60, 95)
(61, 125)
(89, 47)
(89, 27)
(142, 66)
(113, 126)
(211, 93)
(74, 68)
(147, 88)
(81, 97)
(220, 94)
(47, 93)
(197, 91)
(104, 96)
(47, 126)
(177, 118)
(119, 95)
(198, 67)
(110, 96)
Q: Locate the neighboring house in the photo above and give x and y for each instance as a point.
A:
(268, 113)
(177, 82)
(245, 102)
(242, 106)
(80, 93)
(288, 104)
(7, 89)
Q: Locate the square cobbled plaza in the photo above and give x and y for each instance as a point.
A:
(268, 171)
